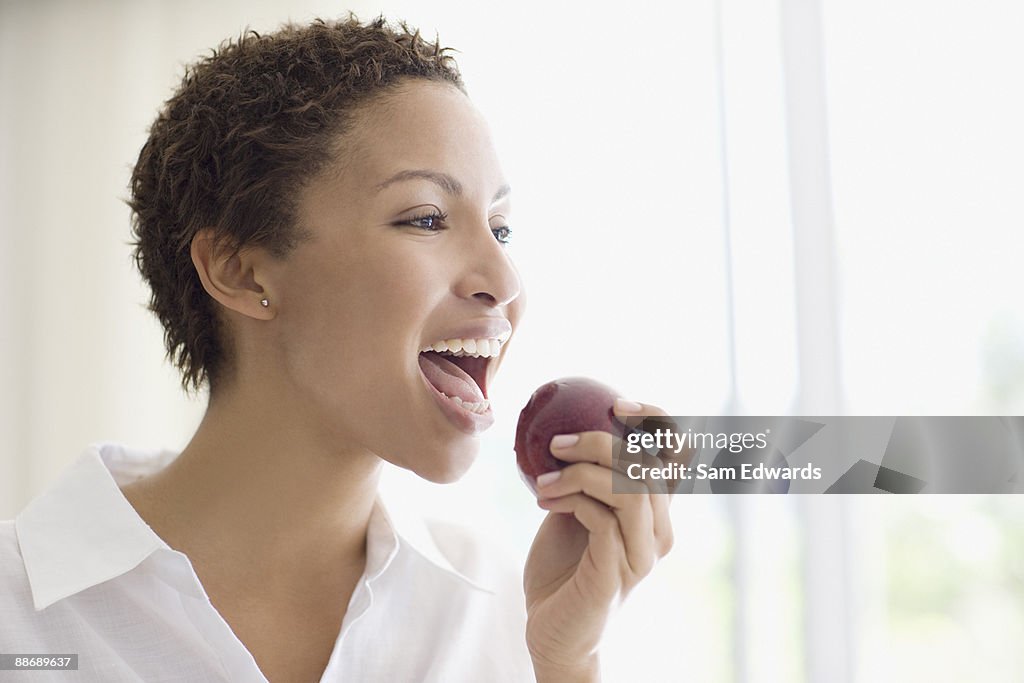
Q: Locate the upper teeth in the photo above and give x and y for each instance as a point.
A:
(477, 348)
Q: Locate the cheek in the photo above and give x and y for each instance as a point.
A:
(360, 293)
(350, 332)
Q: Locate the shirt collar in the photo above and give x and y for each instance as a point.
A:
(408, 528)
(82, 531)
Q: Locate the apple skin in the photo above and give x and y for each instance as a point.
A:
(564, 406)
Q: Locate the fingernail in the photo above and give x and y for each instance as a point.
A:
(625, 406)
(564, 440)
(548, 477)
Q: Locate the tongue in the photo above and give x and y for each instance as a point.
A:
(449, 378)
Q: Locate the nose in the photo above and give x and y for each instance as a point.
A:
(490, 276)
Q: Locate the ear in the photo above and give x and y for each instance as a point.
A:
(233, 280)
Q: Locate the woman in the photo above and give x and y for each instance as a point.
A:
(322, 220)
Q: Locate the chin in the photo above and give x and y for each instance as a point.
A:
(449, 467)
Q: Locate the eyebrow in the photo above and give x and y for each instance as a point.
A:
(442, 180)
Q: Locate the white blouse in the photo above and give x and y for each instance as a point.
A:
(81, 573)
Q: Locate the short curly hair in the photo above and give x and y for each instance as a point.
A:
(249, 125)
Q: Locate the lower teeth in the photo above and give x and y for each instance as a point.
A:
(478, 408)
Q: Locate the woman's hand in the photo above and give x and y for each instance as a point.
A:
(590, 551)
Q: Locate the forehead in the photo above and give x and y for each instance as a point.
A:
(421, 124)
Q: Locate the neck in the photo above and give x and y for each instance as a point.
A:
(257, 498)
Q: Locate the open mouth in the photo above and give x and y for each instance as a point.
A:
(457, 368)
(473, 369)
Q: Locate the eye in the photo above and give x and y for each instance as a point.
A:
(429, 221)
(503, 234)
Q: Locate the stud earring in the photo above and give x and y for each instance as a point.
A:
(264, 303)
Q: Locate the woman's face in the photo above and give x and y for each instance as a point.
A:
(406, 251)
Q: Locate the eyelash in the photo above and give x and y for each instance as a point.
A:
(439, 217)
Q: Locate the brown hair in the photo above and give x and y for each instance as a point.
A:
(247, 127)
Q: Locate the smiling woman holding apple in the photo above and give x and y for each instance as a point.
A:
(322, 219)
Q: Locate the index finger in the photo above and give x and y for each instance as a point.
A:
(608, 450)
(597, 447)
(624, 408)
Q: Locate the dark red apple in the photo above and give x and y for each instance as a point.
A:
(564, 406)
